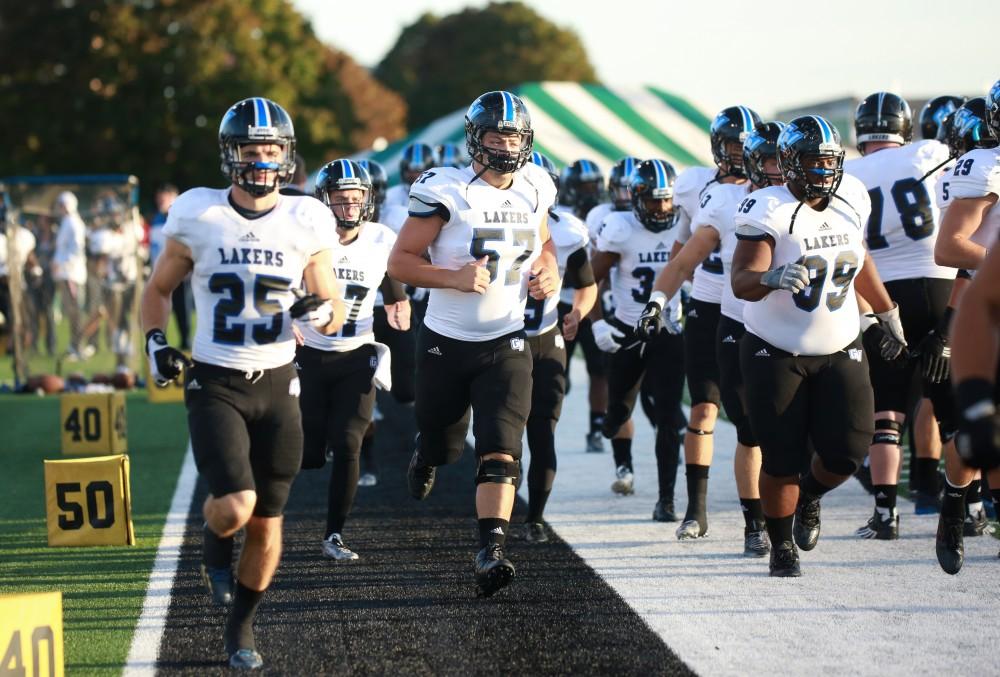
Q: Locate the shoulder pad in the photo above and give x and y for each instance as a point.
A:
(382, 234)
(394, 216)
(976, 174)
(761, 209)
(540, 179)
(692, 180)
(436, 186)
(617, 229)
(193, 203)
(568, 231)
(308, 211)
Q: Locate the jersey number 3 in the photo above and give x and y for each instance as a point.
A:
(232, 305)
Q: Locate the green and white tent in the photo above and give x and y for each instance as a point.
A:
(596, 122)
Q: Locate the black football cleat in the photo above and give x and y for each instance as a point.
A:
(219, 583)
(420, 476)
(880, 529)
(664, 511)
(785, 561)
(755, 541)
(975, 523)
(806, 526)
(493, 571)
(246, 659)
(949, 544)
(534, 532)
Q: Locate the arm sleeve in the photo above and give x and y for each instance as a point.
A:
(579, 273)
(392, 291)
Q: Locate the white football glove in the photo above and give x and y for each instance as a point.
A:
(607, 337)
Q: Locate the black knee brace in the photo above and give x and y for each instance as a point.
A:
(699, 433)
(887, 432)
(498, 472)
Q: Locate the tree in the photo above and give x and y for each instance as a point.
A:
(442, 64)
(139, 87)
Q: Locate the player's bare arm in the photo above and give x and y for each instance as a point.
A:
(959, 222)
(751, 260)
(685, 260)
(173, 265)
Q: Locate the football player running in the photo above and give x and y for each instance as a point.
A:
(484, 227)
(713, 230)
(246, 248)
(338, 371)
(548, 352)
(415, 159)
(969, 228)
(901, 179)
(799, 260)
(729, 130)
(632, 248)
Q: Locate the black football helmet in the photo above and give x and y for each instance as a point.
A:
(732, 124)
(761, 145)
(618, 181)
(256, 121)
(966, 128)
(416, 159)
(545, 163)
(449, 155)
(380, 184)
(810, 136)
(883, 116)
(935, 111)
(346, 175)
(653, 180)
(499, 111)
(582, 185)
(993, 109)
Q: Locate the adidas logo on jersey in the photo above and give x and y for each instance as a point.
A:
(825, 226)
(660, 245)
(729, 339)
(854, 354)
(506, 205)
(762, 353)
(434, 351)
(343, 259)
(194, 385)
(249, 237)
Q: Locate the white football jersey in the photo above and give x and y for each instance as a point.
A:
(977, 174)
(359, 267)
(689, 193)
(244, 271)
(566, 294)
(569, 234)
(903, 225)
(721, 201)
(503, 225)
(595, 218)
(393, 216)
(942, 189)
(823, 318)
(398, 196)
(642, 255)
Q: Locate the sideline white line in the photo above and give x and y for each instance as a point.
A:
(149, 630)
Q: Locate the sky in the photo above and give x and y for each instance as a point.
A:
(779, 54)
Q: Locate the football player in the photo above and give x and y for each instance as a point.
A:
(632, 248)
(969, 228)
(449, 155)
(799, 258)
(713, 230)
(934, 112)
(416, 159)
(246, 248)
(338, 371)
(618, 179)
(901, 179)
(484, 228)
(548, 352)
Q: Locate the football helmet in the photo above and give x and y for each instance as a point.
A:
(618, 181)
(499, 111)
(449, 155)
(883, 116)
(993, 109)
(416, 159)
(545, 163)
(653, 180)
(811, 136)
(759, 146)
(731, 125)
(346, 175)
(256, 121)
(935, 111)
(582, 184)
(966, 128)
(380, 183)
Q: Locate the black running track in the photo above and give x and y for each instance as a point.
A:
(408, 606)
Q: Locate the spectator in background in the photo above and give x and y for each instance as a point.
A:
(24, 243)
(69, 269)
(41, 288)
(181, 300)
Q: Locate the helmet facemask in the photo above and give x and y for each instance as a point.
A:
(255, 173)
(502, 161)
(337, 198)
(815, 181)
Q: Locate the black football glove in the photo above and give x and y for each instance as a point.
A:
(650, 323)
(311, 310)
(935, 353)
(978, 438)
(165, 363)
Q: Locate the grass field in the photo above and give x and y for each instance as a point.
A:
(103, 587)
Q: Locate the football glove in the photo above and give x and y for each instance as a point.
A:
(607, 337)
(893, 345)
(978, 438)
(310, 310)
(791, 277)
(935, 353)
(651, 321)
(165, 363)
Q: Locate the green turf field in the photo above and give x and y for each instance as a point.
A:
(103, 587)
